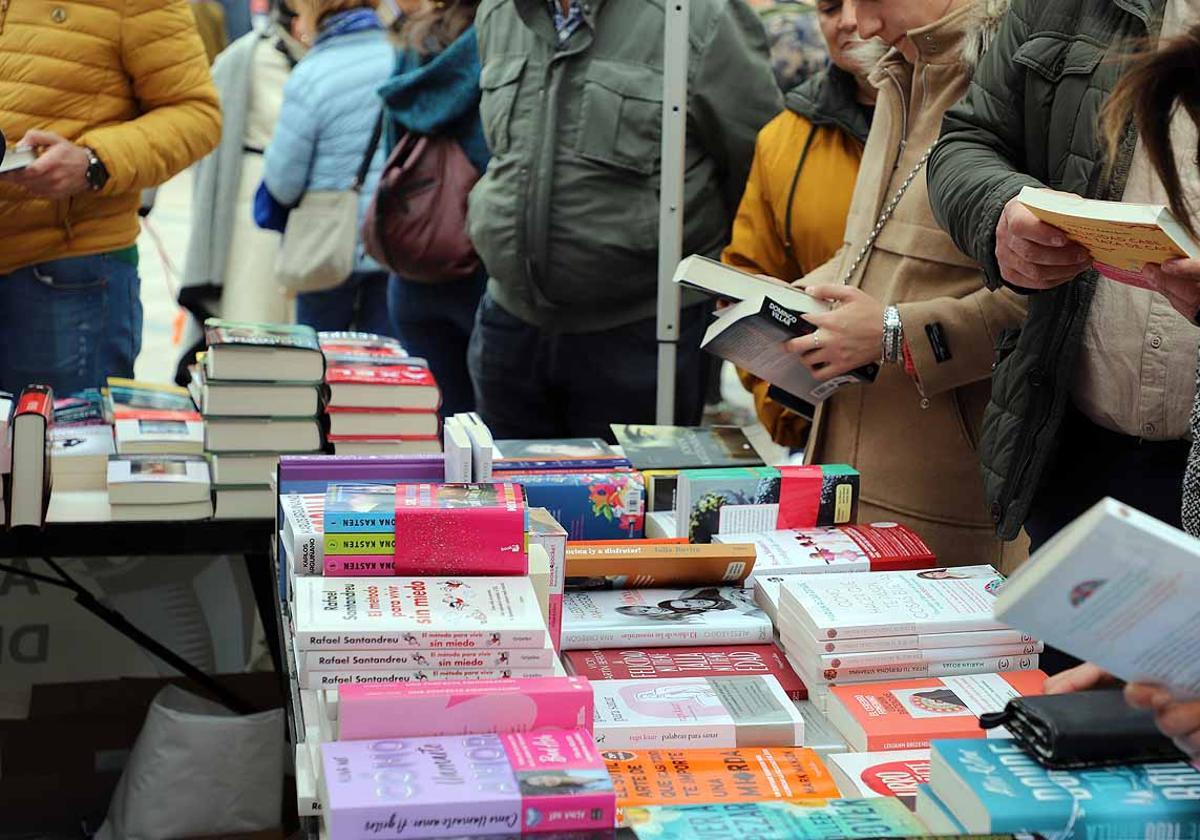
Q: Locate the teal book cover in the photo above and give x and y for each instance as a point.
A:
(993, 785)
(815, 819)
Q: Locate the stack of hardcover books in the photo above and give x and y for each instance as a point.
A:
(381, 400)
(854, 628)
(259, 388)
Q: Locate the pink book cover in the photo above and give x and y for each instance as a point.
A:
(460, 529)
(554, 624)
(463, 707)
(564, 783)
(359, 565)
(544, 530)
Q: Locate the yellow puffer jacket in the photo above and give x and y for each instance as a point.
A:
(823, 118)
(128, 79)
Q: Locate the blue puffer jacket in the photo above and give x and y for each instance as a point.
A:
(329, 110)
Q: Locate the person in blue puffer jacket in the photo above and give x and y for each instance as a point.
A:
(325, 123)
(435, 90)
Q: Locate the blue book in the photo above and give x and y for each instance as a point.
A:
(776, 820)
(589, 505)
(992, 785)
(360, 509)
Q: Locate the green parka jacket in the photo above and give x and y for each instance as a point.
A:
(566, 216)
(1031, 117)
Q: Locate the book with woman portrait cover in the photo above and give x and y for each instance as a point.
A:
(714, 615)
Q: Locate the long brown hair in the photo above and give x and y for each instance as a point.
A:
(436, 25)
(1149, 91)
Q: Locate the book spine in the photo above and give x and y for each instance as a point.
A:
(969, 639)
(339, 522)
(864, 631)
(366, 544)
(357, 565)
(419, 639)
(316, 680)
(417, 660)
(574, 638)
(577, 812)
(854, 661)
(925, 670)
(427, 818)
(692, 734)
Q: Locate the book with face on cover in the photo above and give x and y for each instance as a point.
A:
(854, 605)
(1118, 588)
(468, 785)
(810, 819)
(655, 776)
(239, 350)
(880, 547)
(637, 565)
(435, 613)
(908, 714)
(695, 712)
(468, 529)
(709, 615)
(868, 775)
(657, 663)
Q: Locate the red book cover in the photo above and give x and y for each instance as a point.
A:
(658, 663)
(36, 399)
(386, 375)
(891, 548)
(460, 529)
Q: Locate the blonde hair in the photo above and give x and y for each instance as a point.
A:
(310, 13)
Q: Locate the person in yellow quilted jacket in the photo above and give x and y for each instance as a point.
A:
(793, 212)
(115, 97)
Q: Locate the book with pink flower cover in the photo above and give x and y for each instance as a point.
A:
(461, 529)
(471, 785)
(463, 707)
(589, 505)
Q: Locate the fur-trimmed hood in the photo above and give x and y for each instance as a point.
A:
(989, 15)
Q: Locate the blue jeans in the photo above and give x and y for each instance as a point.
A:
(69, 323)
(435, 323)
(358, 304)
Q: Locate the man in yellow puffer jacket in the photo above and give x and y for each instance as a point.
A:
(115, 95)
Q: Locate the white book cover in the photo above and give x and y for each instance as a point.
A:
(244, 502)
(855, 605)
(695, 712)
(1118, 588)
(159, 436)
(244, 469)
(426, 660)
(868, 775)
(961, 641)
(456, 443)
(434, 613)
(8, 405)
(767, 590)
(303, 531)
(80, 448)
(660, 524)
(157, 479)
(483, 452)
(917, 656)
(742, 519)
(317, 680)
(714, 615)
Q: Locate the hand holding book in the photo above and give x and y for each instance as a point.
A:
(1178, 719)
(1179, 282)
(1033, 254)
(847, 337)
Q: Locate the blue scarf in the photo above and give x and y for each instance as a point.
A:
(343, 23)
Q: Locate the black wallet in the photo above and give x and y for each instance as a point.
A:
(1085, 729)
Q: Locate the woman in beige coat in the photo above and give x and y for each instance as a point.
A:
(903, 292)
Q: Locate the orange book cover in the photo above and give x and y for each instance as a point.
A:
(716, 776)
(623, 566)
(908, 714)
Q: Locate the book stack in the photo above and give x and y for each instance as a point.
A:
(160, 488)
(853, 628)
(152, 419)
(358, 529)
(381, 400)
(259, 387)
(81, 442)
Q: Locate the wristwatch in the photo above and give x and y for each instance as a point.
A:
(893, 336)
(97, 172)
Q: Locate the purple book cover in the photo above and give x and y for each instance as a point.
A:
(311, 473)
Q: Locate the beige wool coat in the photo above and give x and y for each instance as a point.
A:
(914, 441)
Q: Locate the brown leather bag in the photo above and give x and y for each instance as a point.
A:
(416, 224)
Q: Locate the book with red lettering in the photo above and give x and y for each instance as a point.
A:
(657, 663)
(461, 529)
(32, 425)
(908, 714)
(382, 386)
(881, 547)
(873, 774)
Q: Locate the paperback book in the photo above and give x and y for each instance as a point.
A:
(432, 613)
(589, 505)
(411, 710)
(909, 714)
(851, 662)
(360, 509)
(325, 680)
(83, 408)
(477, 785)
(256, 352)
(162, 437)
(833, 819)
(881, 547)
(314, 473)
(716, 615)
(852, 605)
(867, 775)
(303, 534)
(633, 566)
(78, 454)
(157, 479)
(546, 533)
(129, 399)
(468, 529)
(660, 663)
(567, 454)
(644, 777)
(359, 565)
(685, 447)
(695, 712)
(456, 443)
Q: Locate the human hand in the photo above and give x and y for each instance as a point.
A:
(1080, 678)
(847, 337)
(1179, 720)
(60, 170)
(1033, 254)
(1179, 282)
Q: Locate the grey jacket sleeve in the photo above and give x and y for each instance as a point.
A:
(978, 164)
(732, 92)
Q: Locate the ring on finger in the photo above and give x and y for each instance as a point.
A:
(816, 339)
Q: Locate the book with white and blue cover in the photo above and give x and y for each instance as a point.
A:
(360, 509)
(776, 820)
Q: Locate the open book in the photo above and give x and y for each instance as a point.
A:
(725, 282)
(15, 158)
(1123, 238)
(1118, 588)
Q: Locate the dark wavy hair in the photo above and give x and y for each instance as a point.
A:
(430, 31)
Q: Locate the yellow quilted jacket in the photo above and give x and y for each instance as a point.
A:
(127, 78)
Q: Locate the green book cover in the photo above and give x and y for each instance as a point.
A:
(815, 819)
